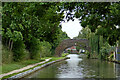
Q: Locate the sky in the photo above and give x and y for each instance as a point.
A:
(72, 28)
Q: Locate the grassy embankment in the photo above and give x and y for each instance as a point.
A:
(17, 65)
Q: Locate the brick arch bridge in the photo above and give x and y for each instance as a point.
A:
(84, 43)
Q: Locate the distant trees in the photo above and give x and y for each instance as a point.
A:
(93, 15)
(103, 21)
(100, 48)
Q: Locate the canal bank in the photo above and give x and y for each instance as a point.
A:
(109, 60)
(39, 66)
(79, 67)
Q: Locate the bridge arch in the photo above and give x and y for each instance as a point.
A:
(71, 42)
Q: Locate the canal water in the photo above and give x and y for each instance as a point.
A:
(78, 66)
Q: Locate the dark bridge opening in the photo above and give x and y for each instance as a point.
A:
(71, 42)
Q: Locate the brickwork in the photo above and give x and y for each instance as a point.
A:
(69, 43)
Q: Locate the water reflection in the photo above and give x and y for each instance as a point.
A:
(71, 69)
(76, 67)
(98, 69)
(117, 70)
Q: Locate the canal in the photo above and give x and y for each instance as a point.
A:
(78, 66)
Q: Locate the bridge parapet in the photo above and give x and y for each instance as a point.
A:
(71, 42)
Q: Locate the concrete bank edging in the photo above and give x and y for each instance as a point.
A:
(113, 61)
(23, 74)
(24, 68)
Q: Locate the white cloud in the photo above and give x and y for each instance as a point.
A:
(72, 28)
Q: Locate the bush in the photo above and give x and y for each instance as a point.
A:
(26, 55)
(104, 52)
(39, 49)
(34, 47)
(45, 49)
(64, 54)
(18, 50)
(87, 53)
(78, 48)
(18, 53)
(7, 56)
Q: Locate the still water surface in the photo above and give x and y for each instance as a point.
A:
(78, 66)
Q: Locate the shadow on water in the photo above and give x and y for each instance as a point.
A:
(78, 66)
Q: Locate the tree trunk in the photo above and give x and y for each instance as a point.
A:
(11, 45)
(6, 42)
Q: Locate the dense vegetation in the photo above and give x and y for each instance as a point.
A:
(30, 30)
(33, 30)
(0, 18)
(100, 48)
(100, 22)
(96, 14)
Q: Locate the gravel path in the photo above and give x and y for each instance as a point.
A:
(24, 68)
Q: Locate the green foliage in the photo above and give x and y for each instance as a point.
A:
(101, 19)
(88, 54)
(17, 65)
(39, 49)
(31, 27)
(45, 49)
(111, 57)
(104, 51)
(69, 51)
(64, 54)
(34, 48)
(99, 46)
(0, 18)
(84, 33)
(7, 56)
(18, 50)
(9, 67)
(81, 46)
(78, 48)
(59, 37)
(96, 14)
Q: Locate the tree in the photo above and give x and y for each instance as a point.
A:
(94, 14)
(30, 24)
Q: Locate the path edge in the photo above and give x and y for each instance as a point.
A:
(28, 72)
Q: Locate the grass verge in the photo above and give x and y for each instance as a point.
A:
(17, 65)
(64, 54)
(53, 59)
